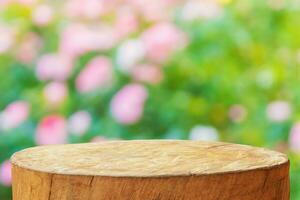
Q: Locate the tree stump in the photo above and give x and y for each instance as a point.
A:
(150, 170)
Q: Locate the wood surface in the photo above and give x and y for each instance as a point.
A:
(150, 170)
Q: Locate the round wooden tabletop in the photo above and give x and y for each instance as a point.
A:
(150, 158)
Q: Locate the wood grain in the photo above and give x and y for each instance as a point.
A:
(154, 170)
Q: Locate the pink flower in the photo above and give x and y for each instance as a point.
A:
(195, 9)
(127, 105)
(5, 173)
(77, 39)
(294, 139)
(96, 75)
(129, 54)
(278, 111)
(28, 48)
(42, 15)
(147, 73)
(154, 10)
(161, 40)
(27, 2)
(126, 22)
(99, 139)
(277, 4)
(237, 113)
(79, 123)
(55, 93)
(90, 9)
(22, 2)
(54, 67)
(7, 37)
(14, 114)
(4, 3)
(51, 130)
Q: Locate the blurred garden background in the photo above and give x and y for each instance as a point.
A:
(92, 70)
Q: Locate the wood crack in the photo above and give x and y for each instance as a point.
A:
(50, 188)
(91, 181)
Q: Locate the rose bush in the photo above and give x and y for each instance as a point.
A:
(95, 70)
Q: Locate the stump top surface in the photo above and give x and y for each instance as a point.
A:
(150, 158)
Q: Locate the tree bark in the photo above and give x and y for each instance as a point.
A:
(150, 170)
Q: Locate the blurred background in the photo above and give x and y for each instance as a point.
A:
(94, 70)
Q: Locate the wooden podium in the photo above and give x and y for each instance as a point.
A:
(150, 170)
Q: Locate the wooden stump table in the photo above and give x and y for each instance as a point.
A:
(150, 170)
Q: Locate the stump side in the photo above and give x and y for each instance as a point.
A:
(262, 184)
(92, 171)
